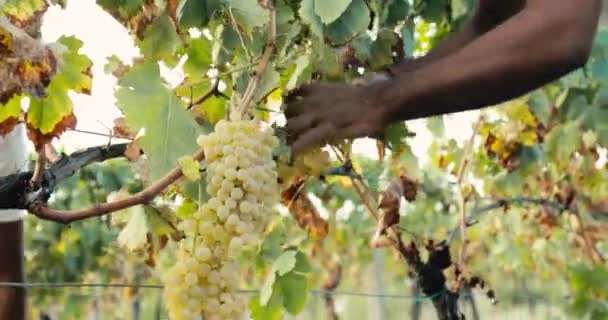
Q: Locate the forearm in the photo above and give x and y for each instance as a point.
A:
(525, 52)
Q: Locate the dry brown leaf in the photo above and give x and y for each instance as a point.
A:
(26, 65)
(133, 151)
(121, 130)
(389, 204)
(40, 139)
(304, 211)
(8, 125)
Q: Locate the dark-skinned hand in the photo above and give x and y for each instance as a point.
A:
(323, 113)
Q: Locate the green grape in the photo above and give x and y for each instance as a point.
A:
(242, 184)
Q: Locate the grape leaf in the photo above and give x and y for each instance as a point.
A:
(186, 210)
(196, 13)
(436, 126)
(433, 10)
(134, 235)
(23, 10)
(148, 103)
(285, 263)
(395, 12)
(409, 43)
(213, 109)
(271, 311)
(122, 9)
(394, 136)
(562, 142)
(9, 115)
(48, 117)
(248, 14)
(199, 58)
(294, 289)
(298, 76)
(329, 11)
(353, 21)
(190, 168)
(310, 18)
(160, 40)
(540, 106)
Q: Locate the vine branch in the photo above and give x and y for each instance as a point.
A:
(39, 168)
(260, 67)
(462, 201)
(144, 196)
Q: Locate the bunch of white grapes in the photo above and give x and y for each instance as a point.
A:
(242, 185)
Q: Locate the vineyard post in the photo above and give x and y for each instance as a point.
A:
(12, 300)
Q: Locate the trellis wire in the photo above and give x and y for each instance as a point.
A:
(245, 291)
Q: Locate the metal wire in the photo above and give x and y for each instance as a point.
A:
(151, 286)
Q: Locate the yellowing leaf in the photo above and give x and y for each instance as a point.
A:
(135, 234)
(190, 168)
(9, 115)
(49, 116)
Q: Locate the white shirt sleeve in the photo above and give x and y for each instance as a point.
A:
(13, 159)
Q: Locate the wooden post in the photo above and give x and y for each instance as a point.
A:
(12, 300)
(13, 158)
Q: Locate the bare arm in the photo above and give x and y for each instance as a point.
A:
(545, 40)
(524, 45)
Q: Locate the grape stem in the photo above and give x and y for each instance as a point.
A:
(264, 60)
(41, 211)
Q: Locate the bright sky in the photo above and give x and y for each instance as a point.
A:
(103, 37)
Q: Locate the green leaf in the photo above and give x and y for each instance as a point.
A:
(436, 126)
(9, 114)
(353, 21)
(310, 18)
(199, 58)
(121, 8)
(329, 11)
(395, 135)
(196, 13)
(267, 288)
(540, 106)
(395, 12)
(186, 210)
(147, 103)
(294, 288)
(269, 81)
(160, 40)
(562, 141)
(409, 43)
(273, 310)
(190, 168)
(298, 76)
(302, 263)
(248, 14)
(285, 263)
(22, 9)
(433, 10)
(213, 109)
(134, 235)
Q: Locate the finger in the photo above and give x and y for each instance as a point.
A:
(295, 126)
(361, 130)
(295, 108)
(315, 137)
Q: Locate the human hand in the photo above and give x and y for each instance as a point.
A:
(325, 113)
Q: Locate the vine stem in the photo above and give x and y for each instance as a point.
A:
(462, 201)
(263, 61)
(39, 168)
(144, 196)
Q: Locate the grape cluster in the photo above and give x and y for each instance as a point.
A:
(242, 186)
(311, 163)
